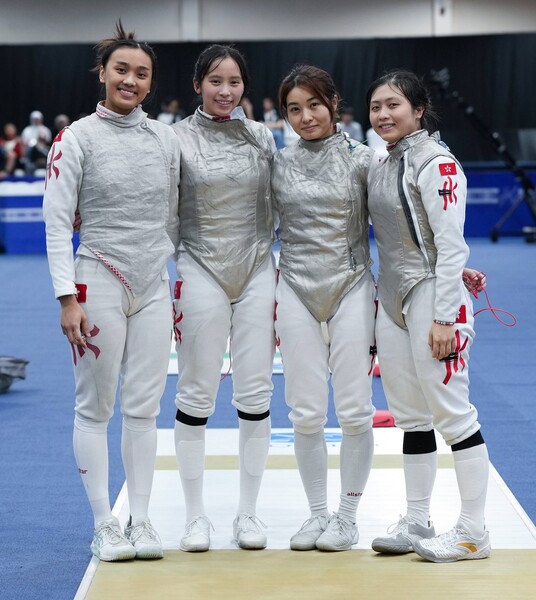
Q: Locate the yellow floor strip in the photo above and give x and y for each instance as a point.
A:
(287, 575)
(230, 463)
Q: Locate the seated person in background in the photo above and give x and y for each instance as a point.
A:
(37, 155)
(349, 126)
(35, 129)
(170, 112)
(11, 151)
(273, 121)
(60, 122)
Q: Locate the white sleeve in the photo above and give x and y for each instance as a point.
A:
(64, 176)
(443, 189)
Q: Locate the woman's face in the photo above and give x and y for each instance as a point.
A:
(127, 79)
(306, 114)
(222, 87)
(391, 114)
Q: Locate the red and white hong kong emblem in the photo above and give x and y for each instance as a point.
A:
(448, 168)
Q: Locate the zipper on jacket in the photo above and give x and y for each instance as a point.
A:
(405, 204)
(352, 260)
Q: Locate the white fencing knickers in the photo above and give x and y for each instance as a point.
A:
(423, 392)
(308, 359)
(130, 339)
(205, 318)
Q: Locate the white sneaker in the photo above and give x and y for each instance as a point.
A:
(247, 532)
(196, 536)
(109, 543)
(310, 531)
(402, 536)
(145, 539)
(340, 534)
(454, 545)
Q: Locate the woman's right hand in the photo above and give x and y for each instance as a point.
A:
(74, 322)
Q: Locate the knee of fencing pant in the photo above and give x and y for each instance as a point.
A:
(307, 427)
(191, 458)
(357, 429)
(138, 424)
(89, 425)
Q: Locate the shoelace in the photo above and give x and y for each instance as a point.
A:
(399, 525)
(337, 523)
(250, 523)
(196, 523)
(144, 530)
(112, 531)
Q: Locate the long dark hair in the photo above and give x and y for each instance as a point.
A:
(122, 39)
(219, 52)
(315, 79)
(413, 88)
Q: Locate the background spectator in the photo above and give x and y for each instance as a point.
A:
(349, 126)
(171, 112)
(273, 121)
(11, 151)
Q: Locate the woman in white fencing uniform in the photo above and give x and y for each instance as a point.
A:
(425, 319)
(325, 301)
(225, 288)
(120, 170)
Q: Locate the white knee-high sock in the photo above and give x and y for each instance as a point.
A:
(312, 458)
(356, 461)
(190, 450)
(254, 443)
(138, 450)
(420, 473)
(90, 445)
(472, 473)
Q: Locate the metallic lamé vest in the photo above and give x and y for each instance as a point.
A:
(225, 212)
(406, 255)
(130, 160)
(319, 189)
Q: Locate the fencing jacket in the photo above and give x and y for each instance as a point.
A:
(417, 200)
(225, 209)
(121, 173)
(320, 193)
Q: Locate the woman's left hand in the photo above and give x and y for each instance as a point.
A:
(474, 281)
(442, 340)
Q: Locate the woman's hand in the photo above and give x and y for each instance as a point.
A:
(474, 281)
(442, 340)
(77, 221)
(74, 323)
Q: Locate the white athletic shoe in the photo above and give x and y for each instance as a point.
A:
(340, 534)
(109, 543)
(454, 545)
(196, 536)
(310, 531)
(247, 532)
(402, 536)
(145, 539)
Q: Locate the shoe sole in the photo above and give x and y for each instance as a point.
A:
(391, 549)
(150, 554)
(327, 548)
(302, 547)
(198, 548)
(126, 555)
(483, 553)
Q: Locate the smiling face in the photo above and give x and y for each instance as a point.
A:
(391, 114)
(307, 115)
(221, 88)
(127, 78)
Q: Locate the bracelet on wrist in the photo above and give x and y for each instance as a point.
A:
(443, 322)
